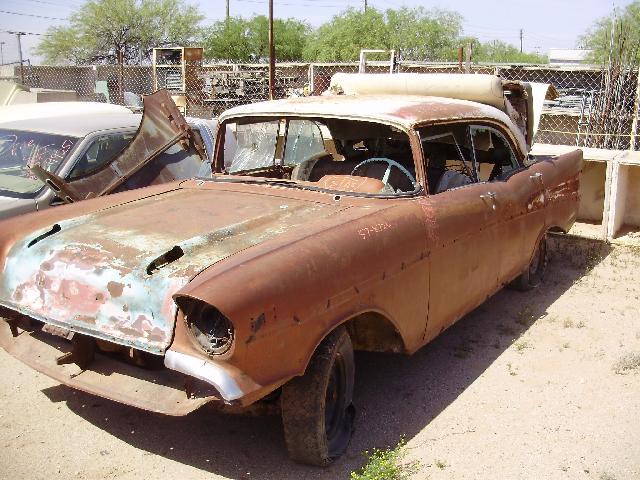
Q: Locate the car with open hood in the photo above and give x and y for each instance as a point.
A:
(358, 220)
(50, 156)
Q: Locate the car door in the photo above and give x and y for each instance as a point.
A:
(519, 198)
(461, 226)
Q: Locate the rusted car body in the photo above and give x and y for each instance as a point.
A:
(366, 222)
(80, 154)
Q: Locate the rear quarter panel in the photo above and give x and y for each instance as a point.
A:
(561, 179)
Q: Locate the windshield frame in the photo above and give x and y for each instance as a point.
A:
(220, 175)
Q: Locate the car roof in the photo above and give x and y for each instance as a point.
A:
(405, 110)
(24, 111)
(75, 125)
(401, 110)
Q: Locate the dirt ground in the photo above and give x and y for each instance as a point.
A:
(530, 386)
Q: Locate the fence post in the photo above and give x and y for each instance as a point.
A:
(636, 105)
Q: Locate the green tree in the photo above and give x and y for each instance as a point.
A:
(415, 33)
(247, 40)
(342, 38)
(122, 31)
(497, 51)
(421, 34)
(228, 40)
(624, 47)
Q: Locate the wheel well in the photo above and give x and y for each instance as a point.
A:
(373, 332)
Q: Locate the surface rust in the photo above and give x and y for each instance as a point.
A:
(285, 265)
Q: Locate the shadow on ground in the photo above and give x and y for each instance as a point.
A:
(395, 395)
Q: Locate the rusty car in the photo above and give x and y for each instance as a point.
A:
(80, 149)
(371, 218)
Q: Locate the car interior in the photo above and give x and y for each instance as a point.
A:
(333, 151)
(101, 151)
(459, 154)
(318, 151)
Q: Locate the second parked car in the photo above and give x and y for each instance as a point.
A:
(74, 145)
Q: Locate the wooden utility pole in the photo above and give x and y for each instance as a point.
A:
(469, 52)
(272, 55)
(227, 17)
(18, 35)
(521, 34)
(365, 5)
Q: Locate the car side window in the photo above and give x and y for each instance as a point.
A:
(448, 157)
(494, 156)
(101, 151)
(304, 141)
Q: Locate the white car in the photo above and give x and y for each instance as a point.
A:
(72, 145)
(26, 111)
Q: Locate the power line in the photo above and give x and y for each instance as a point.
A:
(32, 15)
(51, 3)
(23, 33)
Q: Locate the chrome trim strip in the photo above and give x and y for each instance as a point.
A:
(206, 371)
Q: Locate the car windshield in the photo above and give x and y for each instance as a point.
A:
(21, 150)
(321, 153)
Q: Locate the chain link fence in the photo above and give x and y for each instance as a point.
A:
(595, 108)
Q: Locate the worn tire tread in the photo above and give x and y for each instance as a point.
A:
(303, 400)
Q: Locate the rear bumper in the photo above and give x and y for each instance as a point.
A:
(164, 391)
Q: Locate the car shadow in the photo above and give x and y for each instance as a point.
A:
(395, 395)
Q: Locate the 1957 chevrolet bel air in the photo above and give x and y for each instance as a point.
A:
(331, 224)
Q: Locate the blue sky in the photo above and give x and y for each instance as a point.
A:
(546, 23)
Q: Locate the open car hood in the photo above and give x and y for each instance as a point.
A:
(161, 127)
(111, 274)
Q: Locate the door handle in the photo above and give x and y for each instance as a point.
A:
(491, 196)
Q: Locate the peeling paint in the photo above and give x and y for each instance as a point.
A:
(91, 275)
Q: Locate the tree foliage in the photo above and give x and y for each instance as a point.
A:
(120, 30)
(415, 33)
(623, 47)
(247, 40)
(110, 31)
(497, 51)
(342, 38)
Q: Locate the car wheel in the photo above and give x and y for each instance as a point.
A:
(317, 413)
(533, 275)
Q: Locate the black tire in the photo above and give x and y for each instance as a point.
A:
(317, 413)
(534, 274)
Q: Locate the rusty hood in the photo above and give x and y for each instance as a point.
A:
(111, 274)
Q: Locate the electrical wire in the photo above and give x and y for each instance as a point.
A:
(32, 15)
(13, 32)
(52, 3)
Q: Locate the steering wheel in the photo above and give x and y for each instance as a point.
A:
(390, 163)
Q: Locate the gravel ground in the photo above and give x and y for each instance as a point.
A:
(533, 385)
